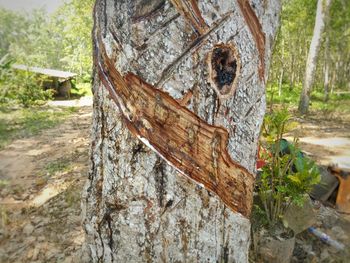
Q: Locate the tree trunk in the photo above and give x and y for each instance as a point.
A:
(304, 101)
(327, 59)
(179, 97)
(326, 70)
(280, 80)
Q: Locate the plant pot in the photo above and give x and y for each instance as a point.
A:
(273, 249)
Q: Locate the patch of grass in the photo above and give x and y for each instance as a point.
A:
(60, 165)
(72, 197)
(4, 217)
(3, 183)
(337, 103)
(25, 122)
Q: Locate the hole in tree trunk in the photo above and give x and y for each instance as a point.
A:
(224, 67)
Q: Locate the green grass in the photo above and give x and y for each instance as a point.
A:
(3, 183)
(60, 165)
(81, 89)
(25, 122)
(337, 103)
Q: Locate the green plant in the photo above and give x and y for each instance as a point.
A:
(28, 89)
(6, 73)
(4, 217)
(21, 86)
(81, 89)
(60, 165)
(287, 175)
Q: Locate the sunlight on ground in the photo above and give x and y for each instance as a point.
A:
(83, 101)
(50, 191)
(328, 142)
(339, 147)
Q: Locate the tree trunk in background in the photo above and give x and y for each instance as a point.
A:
(326, 69)
(327, 58)
(304, 101)
(280, 80)
(209, 61)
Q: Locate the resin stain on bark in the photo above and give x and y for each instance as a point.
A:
(224, 68)
(189, 144)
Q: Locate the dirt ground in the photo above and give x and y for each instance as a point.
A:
(40, 201)
(43, 177)
(327, 141)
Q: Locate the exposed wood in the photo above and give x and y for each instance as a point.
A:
(191, 145)
(343, 196)
(186, 98)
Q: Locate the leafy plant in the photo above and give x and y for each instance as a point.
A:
(5, 74)
(28, 89)
(21, 86)
(287, 175)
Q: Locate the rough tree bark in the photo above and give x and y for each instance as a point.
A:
(304, 101)
(179, 97)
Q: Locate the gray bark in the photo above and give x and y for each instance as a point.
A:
(304, 101)
(137, 207)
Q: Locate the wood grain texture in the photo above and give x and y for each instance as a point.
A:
(191, 145)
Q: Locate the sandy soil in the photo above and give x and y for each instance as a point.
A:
(326, 141)
(40, 203)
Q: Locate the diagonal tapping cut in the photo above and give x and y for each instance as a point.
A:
(189, 144)
(256, 30)
(190, 11)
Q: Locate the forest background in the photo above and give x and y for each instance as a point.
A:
(62, 40)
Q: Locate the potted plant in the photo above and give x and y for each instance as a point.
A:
(285, 178)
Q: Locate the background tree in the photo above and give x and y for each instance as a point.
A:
(11, 25)
(322, 7)
(293, 39)
(189, 81)
(60, 41)
(73, 21)
(291, 50)
(339, 45)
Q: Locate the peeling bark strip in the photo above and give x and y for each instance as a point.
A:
(190, 11)
(192, 146)
(224, 68)
(257, 32)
